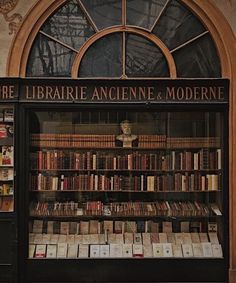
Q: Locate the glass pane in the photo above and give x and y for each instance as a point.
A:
(198, 59)
(69, 25)
(49, 58)
(104, 13)
(150, 187)
(177, 25)
(103, 58)
(143, 13)
(144, 58)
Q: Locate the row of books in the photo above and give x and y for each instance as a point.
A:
(151, 141)
(90, 160)
(156, 250)
(85, 227)
(125, 238)
(124, 209)
(72, 140)
(150, 183)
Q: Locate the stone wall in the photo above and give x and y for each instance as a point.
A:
(12, 12)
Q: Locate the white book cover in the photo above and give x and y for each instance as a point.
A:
(116, 250)
(127, 250)
(61, 250)
(83, 251)
(94, 251)
(54, 239)
(213, 238)
(167, 250)
(157, 250)
(147, 250)
(217, 250)
(104, 251)
(207, 250)
(51, 251)
(40, 251)
(197, 250)
(31, 250)
(50, 227)
(38, 239)
(72, 251)
(46, 238)
(146, 238)
(163, 238)
(187, 250)
(177, 250)
(137, 250)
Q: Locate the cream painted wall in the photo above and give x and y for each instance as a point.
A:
(227, 7)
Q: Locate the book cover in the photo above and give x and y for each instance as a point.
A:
(54, 239)
(94, 239)
(72, 251)
(167, 250)
(187, 250)
(70, 239)
(8, 115)
(94, 251)
(147, 250)
(46, 239)
(38, 239)
(207, 249)
(157, 249)
(195, 238)
(127, 250)
(177, 250)
(78, 239)
(51, 251)
(6, 174)
(137, 250)
(38, 226)
(197, 250)
(137, 238)
(83, 250)
(84, 227)
(116, 250)
(40, 251)
(167, 226)
(146, 238)
(62, 250)
(31, 250)
(163, 238)
(104, 251)
(213, 238)
(7, 155)
(128, 238)
(217, 250)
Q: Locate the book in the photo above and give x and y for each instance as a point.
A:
(93, 226)
(104, 251)
(203, 237)
(146, 238)
(184, 226)
(62, 250)
(163, 238)
(137, 250)
(54, 239)
(62, 239)
(40, 251)
(38, 239)
(6, 174)
(94, 250)
(137, 238)
(147, 250)
(207, 249)
(83, 251)
(108, 226)
(157, 249)
(171, 238)
(86, 239)
(197, 250)
(187, 250)
(94, 239)
(167, 226)
(116, 250)
(7, 155)
(177, 250)
(167, 250)
(46, 239)
(72, 251)
(8, 115)
(217, 250)
(127, 250)
(31, 238)
(38, 226)
(186, 238)
(51, 251)
(213, 238)
(195, 238)
(128, 238)
(64, 228)
(78, 239)
(70, 239)
(84, 227)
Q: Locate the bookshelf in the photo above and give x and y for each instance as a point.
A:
(156, 194)
(6, 158)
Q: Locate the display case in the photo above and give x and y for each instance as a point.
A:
(126, 184)
(6, 158)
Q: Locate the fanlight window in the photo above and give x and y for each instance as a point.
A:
(124, 53)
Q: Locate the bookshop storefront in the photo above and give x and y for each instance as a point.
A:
(117, 126)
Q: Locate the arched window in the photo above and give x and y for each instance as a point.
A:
(124, 39)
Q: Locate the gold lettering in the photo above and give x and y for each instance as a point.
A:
(170, 93)
(112, 94)
(83, 90)
(40, 92)
(150, 93)
(28, 93)
(180, 93)
(221, 93)
(133, 93)
(69, 93)
(95, 95)
(124, 93)
(103, 91)
(48, 91)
